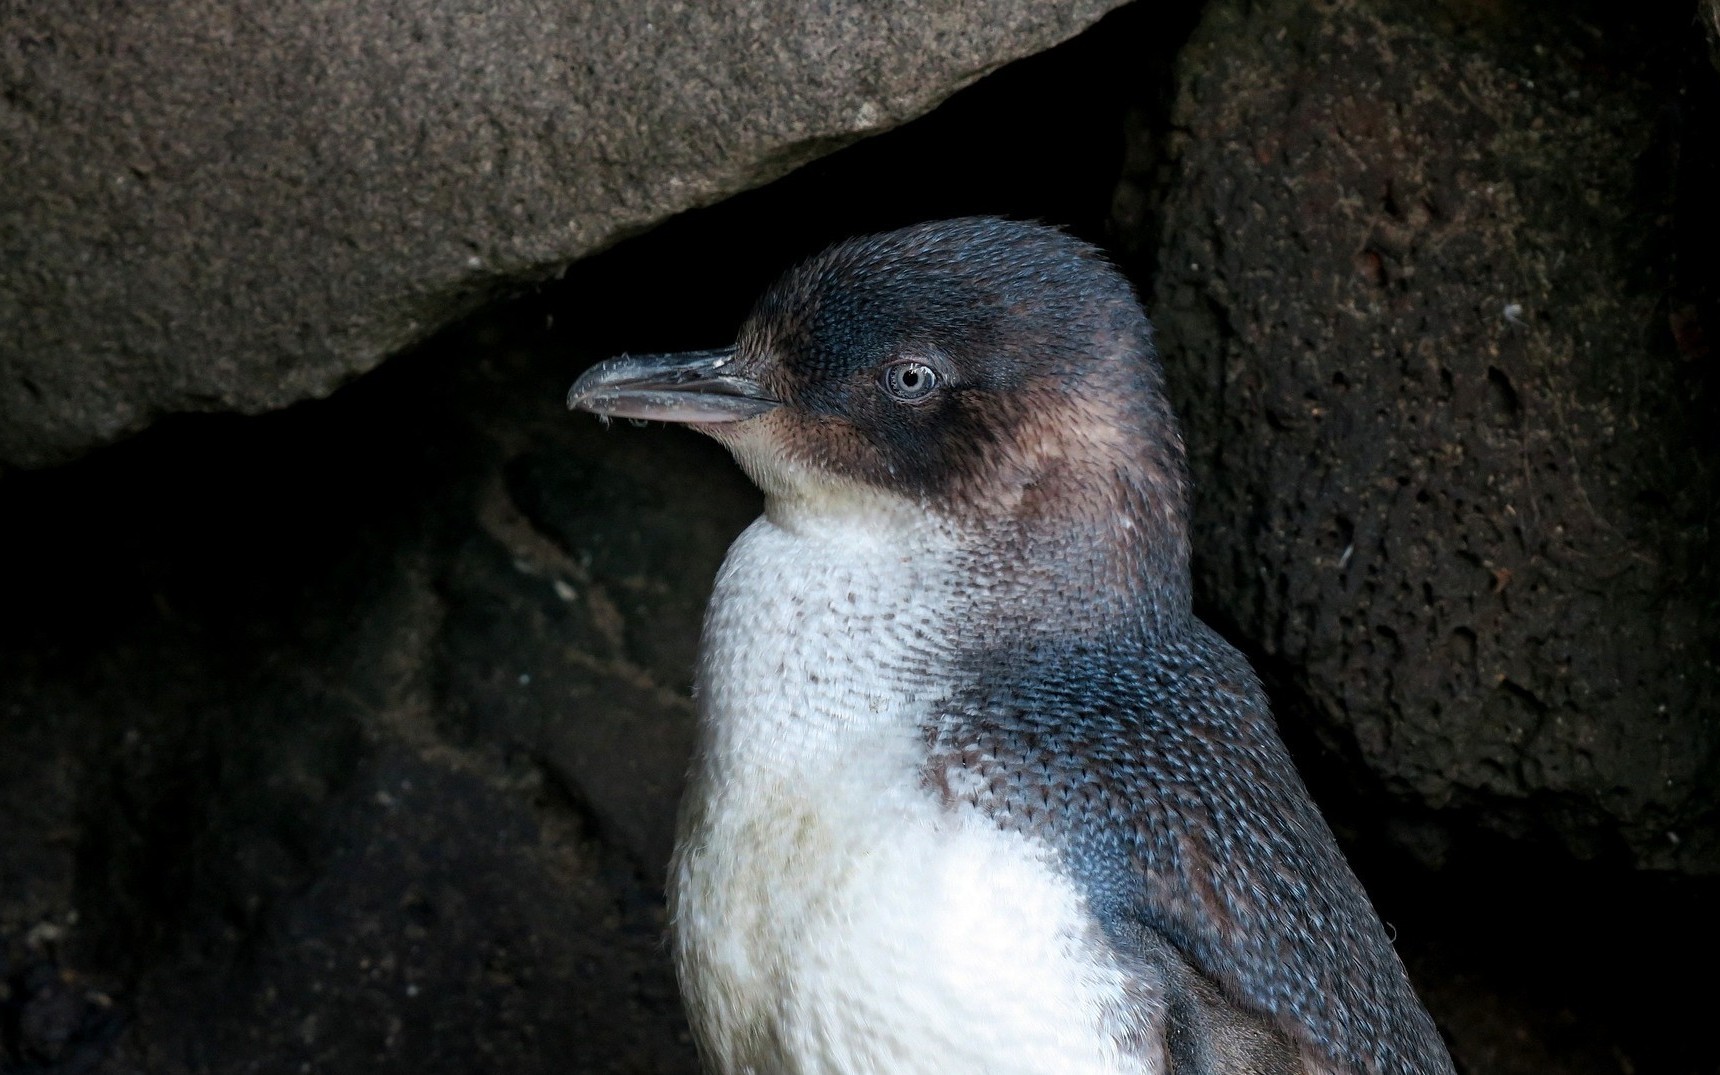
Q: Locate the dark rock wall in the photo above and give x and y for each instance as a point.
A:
(226, 205)
(322, 750)
(1436, 287)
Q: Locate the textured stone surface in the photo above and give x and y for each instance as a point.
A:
(1437, 294)
(341, 748)
(220, 206)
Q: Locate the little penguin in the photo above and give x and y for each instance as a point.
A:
(974, 791)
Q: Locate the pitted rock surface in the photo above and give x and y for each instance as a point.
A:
(217, 206)
(1433, 303)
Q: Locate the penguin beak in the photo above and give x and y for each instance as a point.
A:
(694, 387)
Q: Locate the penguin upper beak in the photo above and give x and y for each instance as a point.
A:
(689, 387)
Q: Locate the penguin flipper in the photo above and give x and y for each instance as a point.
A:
(1159, 780)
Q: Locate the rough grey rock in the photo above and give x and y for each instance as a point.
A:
(220, 206)
(1435, 295)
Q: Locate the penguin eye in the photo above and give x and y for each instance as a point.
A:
(910, 382)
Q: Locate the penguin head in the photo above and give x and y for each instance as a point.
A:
(981, 370)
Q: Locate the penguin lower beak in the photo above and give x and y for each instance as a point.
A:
(691, 387)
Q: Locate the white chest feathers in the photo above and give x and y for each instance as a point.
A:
(829, 915)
